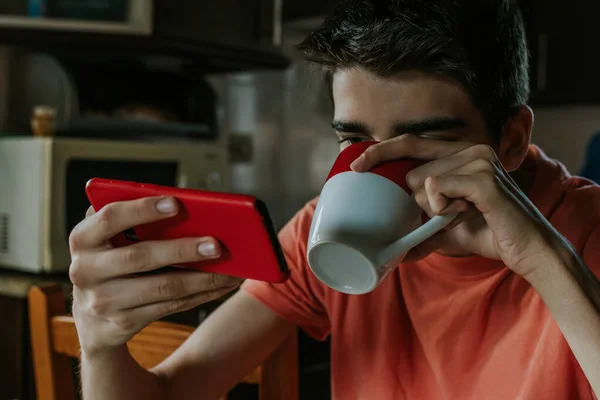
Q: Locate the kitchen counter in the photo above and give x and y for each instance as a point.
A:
(16, 284)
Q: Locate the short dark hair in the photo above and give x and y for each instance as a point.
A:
(480, 44)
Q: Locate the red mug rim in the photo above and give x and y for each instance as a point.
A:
(395, 170)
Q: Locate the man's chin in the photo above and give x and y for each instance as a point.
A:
(442, 244)
(454, 252)
(420, 253)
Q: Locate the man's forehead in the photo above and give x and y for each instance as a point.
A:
(413, 93)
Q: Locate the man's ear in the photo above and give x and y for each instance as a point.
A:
(515, 139)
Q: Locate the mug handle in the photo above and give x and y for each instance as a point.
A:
(415, 238)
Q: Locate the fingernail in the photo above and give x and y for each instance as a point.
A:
(166, 206)
(358, 163)
(207, 249)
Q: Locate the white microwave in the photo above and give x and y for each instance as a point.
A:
(42, 187)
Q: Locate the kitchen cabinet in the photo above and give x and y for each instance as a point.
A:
(210, 36)
(564, 60)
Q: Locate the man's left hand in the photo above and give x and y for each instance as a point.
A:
(496, 219)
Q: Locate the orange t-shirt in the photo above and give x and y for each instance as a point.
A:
(446, 328)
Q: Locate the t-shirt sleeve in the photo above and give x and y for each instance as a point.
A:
(300, 299)
(578, 219)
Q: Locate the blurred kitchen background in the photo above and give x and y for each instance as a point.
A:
(210, 95)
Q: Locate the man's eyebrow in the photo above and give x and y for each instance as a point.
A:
(429, 125)
(350, 127)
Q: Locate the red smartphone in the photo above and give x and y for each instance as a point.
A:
(241, 223)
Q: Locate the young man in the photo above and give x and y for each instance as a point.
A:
(503, 305)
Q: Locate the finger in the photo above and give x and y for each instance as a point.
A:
(422, 200)
(143, 257)
(90, 211)
(482, 165)
(454, 205)
(474, 159)
(488, 163)
(465, 215)
(485, 154)
(482, 189)
(406, 146)
(477, 166)
(137, 318)
(117, 217)
(416, 178)
(439, 204)
(122, 294)
(437, 200)
(503, 180)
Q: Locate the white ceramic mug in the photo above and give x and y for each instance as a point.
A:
(365, 223)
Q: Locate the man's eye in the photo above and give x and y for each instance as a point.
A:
(350, 140)
(445, 138)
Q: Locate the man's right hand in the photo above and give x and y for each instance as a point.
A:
(110, 303)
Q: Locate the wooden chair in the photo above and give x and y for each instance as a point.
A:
(55, 343)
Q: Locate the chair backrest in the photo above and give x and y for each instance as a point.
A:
(55, 343)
